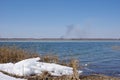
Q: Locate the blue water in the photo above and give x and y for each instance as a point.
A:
(95, 57)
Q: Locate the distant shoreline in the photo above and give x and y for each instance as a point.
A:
(58, 39)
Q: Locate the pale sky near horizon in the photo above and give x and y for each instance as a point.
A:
(60, 18)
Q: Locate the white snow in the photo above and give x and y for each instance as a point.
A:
(6, 77)
(33, 66)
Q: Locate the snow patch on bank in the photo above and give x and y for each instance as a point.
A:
(6, 77)
(33, 66)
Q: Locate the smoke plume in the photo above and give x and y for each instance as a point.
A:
(75, 31)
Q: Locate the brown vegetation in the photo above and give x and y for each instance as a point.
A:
(46, 76)
(14, 54)
(98, 77)
(49, 58)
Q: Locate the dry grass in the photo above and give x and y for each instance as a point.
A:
(14, 54)
(98, 77)
(75, 65)
(49, 58)
(115, 47)
(46, 76)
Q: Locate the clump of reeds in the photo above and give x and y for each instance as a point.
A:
(50, 58)
(14, 54)
(43, 76)
(75, 65)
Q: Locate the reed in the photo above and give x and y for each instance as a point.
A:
(50, 58)
(14, 54)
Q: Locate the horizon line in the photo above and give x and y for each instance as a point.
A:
(59, 38)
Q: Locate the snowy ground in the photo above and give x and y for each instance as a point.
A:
(33, 66)
(6, 77)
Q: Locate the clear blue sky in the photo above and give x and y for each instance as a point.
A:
(53, 18)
